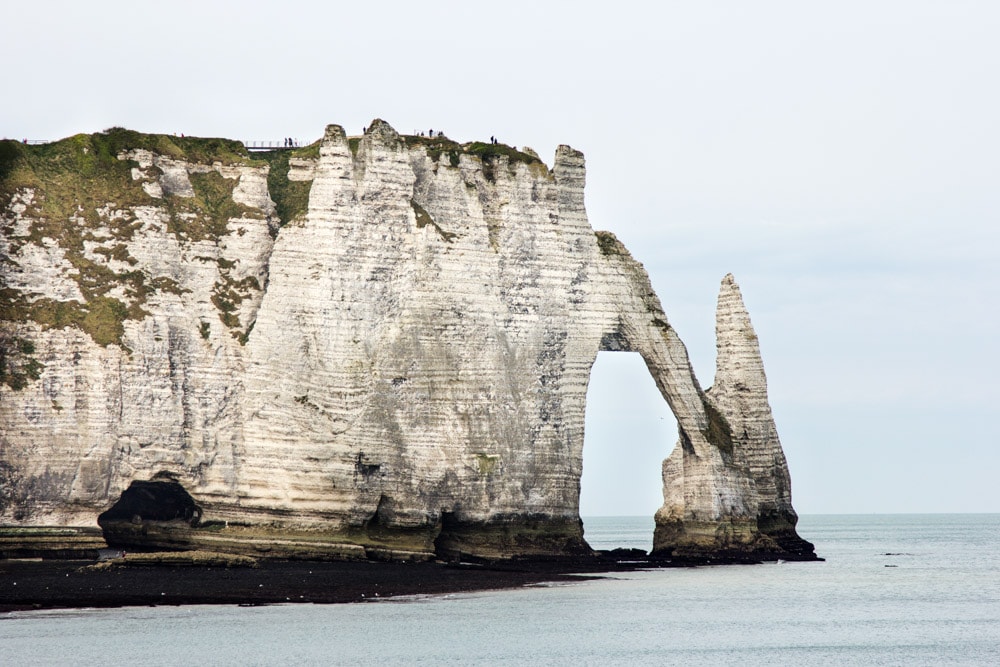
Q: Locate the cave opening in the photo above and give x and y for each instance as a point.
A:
(630, 429)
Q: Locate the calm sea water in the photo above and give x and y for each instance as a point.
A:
(895, 590)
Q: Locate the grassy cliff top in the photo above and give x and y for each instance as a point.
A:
(82, 193)
(83, 197)
(441, 144)
(90, 154)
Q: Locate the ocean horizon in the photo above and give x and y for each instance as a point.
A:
(904, 589)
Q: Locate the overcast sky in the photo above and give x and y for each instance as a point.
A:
(840, 158)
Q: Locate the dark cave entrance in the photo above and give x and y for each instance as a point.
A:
(630, 429)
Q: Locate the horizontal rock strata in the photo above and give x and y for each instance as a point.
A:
(375, 346)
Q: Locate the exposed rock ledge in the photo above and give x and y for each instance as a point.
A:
(372, 347)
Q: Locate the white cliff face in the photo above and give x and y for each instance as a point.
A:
(429, 343)
(162, 394)
(740, 392)
(412, 354)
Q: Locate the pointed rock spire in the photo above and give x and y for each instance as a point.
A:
(740, 392)
(739, 368)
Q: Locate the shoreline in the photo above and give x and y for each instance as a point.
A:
(193, 578)
(27, 585)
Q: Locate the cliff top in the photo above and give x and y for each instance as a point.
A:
(81, 194)
(107, 145)
(82, 161)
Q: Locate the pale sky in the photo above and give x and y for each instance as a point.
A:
(840, 158)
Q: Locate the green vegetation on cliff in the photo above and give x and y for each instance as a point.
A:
(291, 198)
(18, 366)
(80, 194)
(490, 154)
(70, 183)
(718, 431)
(95, 156)
(609, 244)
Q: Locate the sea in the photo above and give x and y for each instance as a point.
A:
(894, 590)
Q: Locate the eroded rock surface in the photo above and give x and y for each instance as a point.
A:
(376, 346)
(740, 392)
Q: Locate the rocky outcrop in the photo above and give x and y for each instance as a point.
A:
(740, 394)
(156, 503)
(375, 346)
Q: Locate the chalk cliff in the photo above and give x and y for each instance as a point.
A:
(748, 441)
(375, 346)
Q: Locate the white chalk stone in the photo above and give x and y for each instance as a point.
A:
(420, 343)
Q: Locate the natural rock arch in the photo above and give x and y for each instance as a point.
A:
(726, 484)
(629, 431)
(399, 366)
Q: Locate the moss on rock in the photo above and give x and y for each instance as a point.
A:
(488, 153)
(81, 193)
(291, 198)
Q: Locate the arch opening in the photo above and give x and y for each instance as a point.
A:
(629, 430)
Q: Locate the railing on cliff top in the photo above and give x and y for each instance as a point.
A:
(262, 145)
(279, 145)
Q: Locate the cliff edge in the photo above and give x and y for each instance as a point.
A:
(370, 347)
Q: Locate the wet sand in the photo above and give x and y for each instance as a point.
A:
(51, 584)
